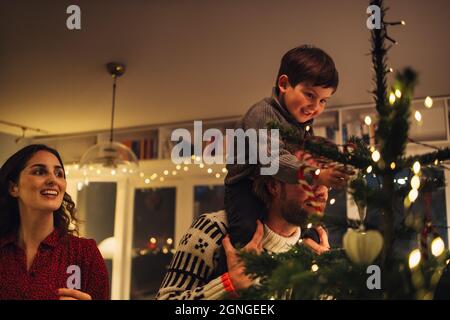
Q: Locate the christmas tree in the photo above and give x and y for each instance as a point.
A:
(345, 273)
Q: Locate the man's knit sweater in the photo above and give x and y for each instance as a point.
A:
(258, 117)
(190, 275)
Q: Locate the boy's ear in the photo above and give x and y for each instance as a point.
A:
(283, 83)
(13, 189)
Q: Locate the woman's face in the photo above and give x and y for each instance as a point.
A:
(42, 183)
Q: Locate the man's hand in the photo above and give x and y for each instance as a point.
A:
(321, 247)
(72, 294)
(236, 267)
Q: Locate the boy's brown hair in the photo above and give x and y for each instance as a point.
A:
(308, 64)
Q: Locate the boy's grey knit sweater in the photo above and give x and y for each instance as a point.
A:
(257, 117)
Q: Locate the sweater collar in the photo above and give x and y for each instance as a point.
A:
(276, 243)
(281, 107)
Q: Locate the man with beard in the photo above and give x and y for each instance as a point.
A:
(195, 271)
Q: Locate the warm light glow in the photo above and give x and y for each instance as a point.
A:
(141, 174)
(369, 169)
(217, 175)
(209, 170)
(403, 22)
(174, 173)
(428, 102)
(169, 241)
(113, 172)
(418, 116)
(147, 181)
(391, 70)
(178, 167)
(309, 226)
(152, 240)
(414, 258)
(368, 120)
(308, 128)
(314, 267)
(416, 167)
(198, 159)
(401, 181)
(193, 157)
(153, 176)
(372, 149)
(201, 165)
(391, 98)
(124, 170)
(108, 247)
(224, 170)
(166, 172)
(332, 201)
(185, 168)
(398, 93)
(437, 246)
(165, 250)
(392, 165)
(436, 162)
(161, 179)
(79, 186)
(376, 155)
(317, 172)
(91, 168)
(413, 194)
(415, 182)
(98, 171)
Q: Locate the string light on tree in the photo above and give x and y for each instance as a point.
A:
(369, 169)
(437, 246)
(416, 167)
(414, 258)
(368, 120)
(314, 268)
(398, 93)
(413, 194)
(392, 165)
(376, 156)
(392, 98)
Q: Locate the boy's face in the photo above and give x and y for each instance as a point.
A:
(302, 101)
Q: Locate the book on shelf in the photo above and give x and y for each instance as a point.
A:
(146, 148)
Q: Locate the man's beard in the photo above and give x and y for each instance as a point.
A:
(292, 211)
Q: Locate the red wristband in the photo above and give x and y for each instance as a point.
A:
(228, 285)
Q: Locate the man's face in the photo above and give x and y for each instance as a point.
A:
(296, 206)
(304, 102)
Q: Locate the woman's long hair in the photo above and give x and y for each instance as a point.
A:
(64, 217)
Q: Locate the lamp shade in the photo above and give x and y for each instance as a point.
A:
(113, 155)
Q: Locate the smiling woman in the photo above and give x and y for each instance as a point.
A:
(37, 225)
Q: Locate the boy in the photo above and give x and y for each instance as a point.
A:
(306, 80)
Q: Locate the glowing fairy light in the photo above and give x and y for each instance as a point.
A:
(153, 240)
(368, 120)
(391, 98)
(418, 116)
(416, 167)
(178, 167)
(314, 268)
(376, 155)
(415, 182)
(141, 174)
(209, 170)
(309, 226)
(392, 165)
(185, 168)
(217, 175)
(414, 258)
(113, 172)
(437, 246)
(369, 169)
(332, 201)
(428, 102)
(174, 172)
(398, 93)
(413, 194)
(169, 241)
(224, 170)
(147, 181)
(161, 179)
(201, 165)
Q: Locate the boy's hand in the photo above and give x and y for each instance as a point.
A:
(332, 177)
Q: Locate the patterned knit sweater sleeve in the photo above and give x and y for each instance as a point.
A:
(189, 276)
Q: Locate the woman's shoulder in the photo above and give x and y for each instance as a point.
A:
(81, 242)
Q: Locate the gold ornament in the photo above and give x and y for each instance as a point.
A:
(363, 247)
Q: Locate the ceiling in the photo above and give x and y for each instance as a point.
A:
(193, 59)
